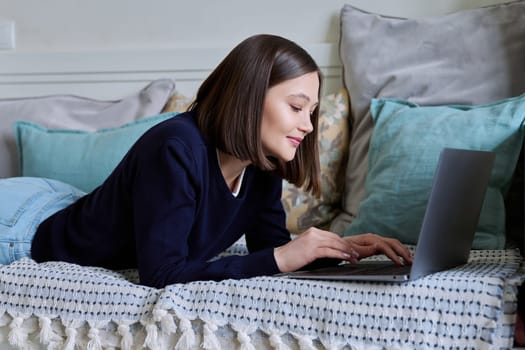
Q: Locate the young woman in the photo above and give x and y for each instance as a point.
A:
(194, 184)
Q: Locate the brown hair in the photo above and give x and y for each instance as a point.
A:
(229, 105)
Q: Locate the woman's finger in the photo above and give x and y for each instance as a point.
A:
(402, 251)
(370, 244)
(327, 239)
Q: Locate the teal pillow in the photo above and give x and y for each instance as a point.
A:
(81, 158)
(404, 150)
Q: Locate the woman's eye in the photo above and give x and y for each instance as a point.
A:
(295, 108)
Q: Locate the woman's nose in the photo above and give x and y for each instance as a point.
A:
(306, 124)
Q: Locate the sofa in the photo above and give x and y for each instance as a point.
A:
(410, 88)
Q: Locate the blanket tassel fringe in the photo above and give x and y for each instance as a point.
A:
(277, 342)
(167, 324)
(151, 340)
(210, 341)
(187, 339)
(161, 322)
(244, 339)
(17, 336)
(71, 331)
(126, 337)
(304, 342)
(46, 332)
(95, 342)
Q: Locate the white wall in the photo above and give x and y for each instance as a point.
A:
(76, 25)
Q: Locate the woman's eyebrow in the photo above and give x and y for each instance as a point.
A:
(300, 95)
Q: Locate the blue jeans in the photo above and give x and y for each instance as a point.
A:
(24, 203)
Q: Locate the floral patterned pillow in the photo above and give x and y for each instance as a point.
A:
(305, 210)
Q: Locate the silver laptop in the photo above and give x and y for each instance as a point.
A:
(448, 227)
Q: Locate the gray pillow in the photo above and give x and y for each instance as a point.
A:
(469, 57)
(75, 112)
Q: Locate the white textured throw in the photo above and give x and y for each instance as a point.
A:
(63, 306)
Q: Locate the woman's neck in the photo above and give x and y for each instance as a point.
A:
(231, 168)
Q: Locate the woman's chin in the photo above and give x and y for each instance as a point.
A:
(287, 157)
(283, 156)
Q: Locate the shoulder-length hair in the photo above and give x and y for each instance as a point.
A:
(229, 105)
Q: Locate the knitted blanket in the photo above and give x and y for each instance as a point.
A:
(63, 306)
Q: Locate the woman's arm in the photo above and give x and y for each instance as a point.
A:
(314, 247)
(168, 210)
(269, 228)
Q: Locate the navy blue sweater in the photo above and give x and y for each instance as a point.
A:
(167, 210)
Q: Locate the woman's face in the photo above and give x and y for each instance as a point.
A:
(286, 115)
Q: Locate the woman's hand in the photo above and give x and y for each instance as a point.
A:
(369, 244)
(313, 244)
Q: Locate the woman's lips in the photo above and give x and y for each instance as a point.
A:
(295, 141)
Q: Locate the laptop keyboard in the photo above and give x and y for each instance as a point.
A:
(364, 268)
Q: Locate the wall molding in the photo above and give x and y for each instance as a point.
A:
(113, 74)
